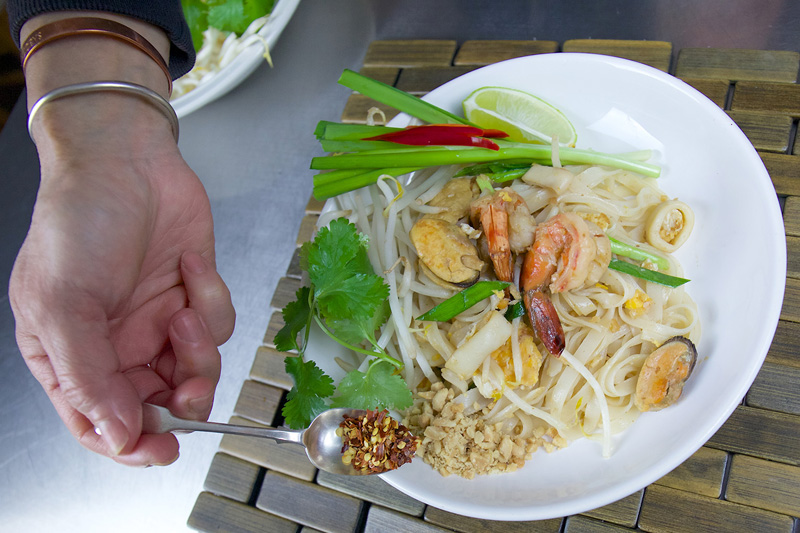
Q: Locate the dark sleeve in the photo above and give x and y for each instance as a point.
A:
(166, 14)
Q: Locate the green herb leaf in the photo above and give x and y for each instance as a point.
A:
(355, 331)
(358, 296)
(296, 316)
(461, 301)
(646, 274)
(254, 9)
(307, 398)
(196, 14)
(227, 15)
(378, 388)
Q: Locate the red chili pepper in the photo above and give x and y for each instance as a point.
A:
(442, 134)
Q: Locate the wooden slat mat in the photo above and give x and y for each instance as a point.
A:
(746, 478)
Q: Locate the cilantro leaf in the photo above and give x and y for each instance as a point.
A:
(254, 9)
(378, 388)
(338, 251)
(360, 295)
(307, 398)
(196, 14)
(355, 331)
(296, 316)
(227, 15)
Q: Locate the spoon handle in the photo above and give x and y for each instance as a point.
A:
(158, 419)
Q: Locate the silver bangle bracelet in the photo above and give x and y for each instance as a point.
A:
(119, 86)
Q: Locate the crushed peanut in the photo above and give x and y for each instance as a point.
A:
(466, 445)
(375, 442)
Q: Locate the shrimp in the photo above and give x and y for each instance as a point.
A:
(564, 254)
(506, 221)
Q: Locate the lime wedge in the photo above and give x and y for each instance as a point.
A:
(526, 118)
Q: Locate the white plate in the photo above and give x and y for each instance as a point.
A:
(618, 105)
(240, 67)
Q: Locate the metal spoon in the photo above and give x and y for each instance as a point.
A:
(323, 446)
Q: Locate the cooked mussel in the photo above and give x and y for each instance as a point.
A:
(446, 251)
(664, 373)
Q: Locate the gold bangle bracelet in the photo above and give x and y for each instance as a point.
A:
(61, 29)
(114, 86)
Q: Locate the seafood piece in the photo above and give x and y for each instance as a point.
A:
(664, 373)
(454, 199)
(562, 257)
(669, 225)
(508, 225)
(446, 251)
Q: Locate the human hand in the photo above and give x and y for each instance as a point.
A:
(115, 290)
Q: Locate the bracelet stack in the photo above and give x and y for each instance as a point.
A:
(102, 27)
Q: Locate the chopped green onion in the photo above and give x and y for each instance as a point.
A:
(461, 301)
(646, 274)
(438, 155)
(398, 99)
(498, 172)
(330, 184)
(484, 185)
(515, 311)
(337, 131)
(634, 252)
(355, 145)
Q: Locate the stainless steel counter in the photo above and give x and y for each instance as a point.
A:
(252, 149)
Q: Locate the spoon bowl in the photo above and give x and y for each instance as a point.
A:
(323, 446)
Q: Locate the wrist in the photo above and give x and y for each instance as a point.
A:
(88, 57)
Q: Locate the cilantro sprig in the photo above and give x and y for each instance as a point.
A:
(225, 15)
(348, 302)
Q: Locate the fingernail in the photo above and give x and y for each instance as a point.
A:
(114, 433)
(194, 263)
(189, 328)
(168, 462)
(199, 406)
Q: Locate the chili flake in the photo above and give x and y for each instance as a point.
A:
(375, 442)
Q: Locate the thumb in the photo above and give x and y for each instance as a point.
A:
(87, 369)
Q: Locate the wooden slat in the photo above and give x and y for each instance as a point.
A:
(715, 90)
(793, 257)
(475, 525)
(777, 387)
(767, 131)
(762, 96)
(791, 216)
(674, 511)
(423, 80)
(275, 325)
(414, 53)
(657, 54)
(791, 301)
(372, 489)
(623, 512)
(387, 75)
(268, 367)
(314, 206)
(231, 477)
(382, 520)
(294, 270)
(285, 292)
(738, 64)
(702, 473)
(784, 171)
(783, 350)
(761, 433)
(308, 504)
(214, 514)
(581, 524)
(258, 402)
(764, 484)
(288, 458)
(307, 228)
(479, 53)
(357, 109)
